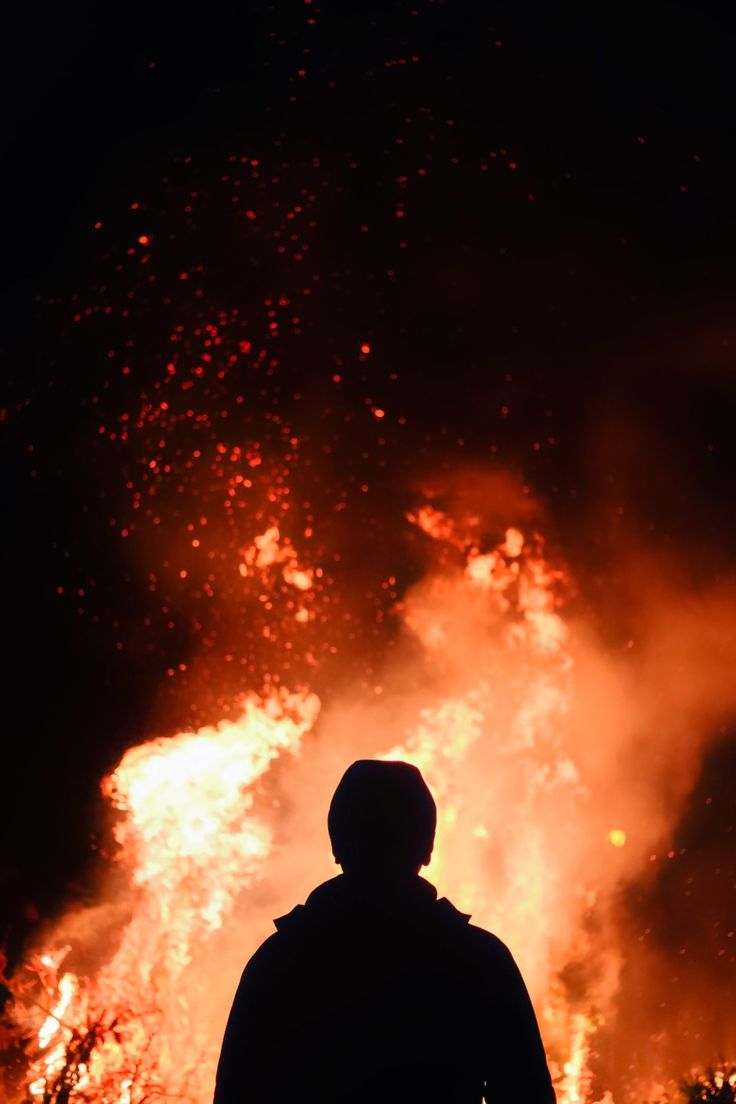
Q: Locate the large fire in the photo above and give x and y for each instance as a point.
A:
(532, 736)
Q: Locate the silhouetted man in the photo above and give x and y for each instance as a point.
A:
(376, 991)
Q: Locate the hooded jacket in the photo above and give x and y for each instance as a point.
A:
(381, 993)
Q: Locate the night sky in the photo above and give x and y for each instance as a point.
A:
(506, 234)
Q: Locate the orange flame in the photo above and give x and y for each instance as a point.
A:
(508, 693)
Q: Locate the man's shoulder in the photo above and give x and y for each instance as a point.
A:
(475, 939)
(468, 938)
(266, 958)
(291, 930)
(488, 943)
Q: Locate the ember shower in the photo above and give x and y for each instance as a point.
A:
(342, 587)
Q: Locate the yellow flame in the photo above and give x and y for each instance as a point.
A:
(192, 838)
(67, 989)
(576, 1079)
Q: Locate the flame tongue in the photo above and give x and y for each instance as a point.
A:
(191, 841)
(187, 802)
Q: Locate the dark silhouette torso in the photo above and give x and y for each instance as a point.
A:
(385, 995)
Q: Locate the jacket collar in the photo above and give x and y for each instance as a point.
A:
(347, 894)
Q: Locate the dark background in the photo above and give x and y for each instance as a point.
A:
(566, 311)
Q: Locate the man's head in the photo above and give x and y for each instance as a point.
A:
(382, 819)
